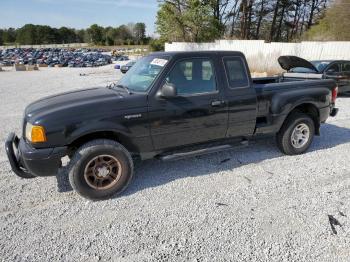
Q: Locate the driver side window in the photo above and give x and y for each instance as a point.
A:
(193, 76)
(335, 68)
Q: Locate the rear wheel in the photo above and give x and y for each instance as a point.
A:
(296, 134)
(100, 169)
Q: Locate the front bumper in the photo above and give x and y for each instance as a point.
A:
(24, 159)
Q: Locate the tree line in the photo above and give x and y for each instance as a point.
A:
(31, 34)
(206, 20)
(334, 26)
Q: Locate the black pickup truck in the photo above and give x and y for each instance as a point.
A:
(168, 106)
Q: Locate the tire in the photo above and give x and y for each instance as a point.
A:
(298, 142)
(101, 169)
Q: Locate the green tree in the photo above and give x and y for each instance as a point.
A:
(124, 35)
(26, 35)
(335, 24)
(170, 21)
(9, 35)
(96, 34)
(157, 44)
(187, 20)
(111, 36)
(45, 35)
(140, 32)
(82, 36)
(1, 36)
(66, 35)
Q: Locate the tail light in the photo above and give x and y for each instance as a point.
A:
(334, 94)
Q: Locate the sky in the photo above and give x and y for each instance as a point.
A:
(78, 13)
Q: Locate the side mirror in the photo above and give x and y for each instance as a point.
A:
(168, 91)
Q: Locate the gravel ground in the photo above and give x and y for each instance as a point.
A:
(249, 204)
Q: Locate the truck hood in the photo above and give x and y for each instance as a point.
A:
(85, 101)
(289, 62)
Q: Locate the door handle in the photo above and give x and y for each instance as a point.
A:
(217, 103)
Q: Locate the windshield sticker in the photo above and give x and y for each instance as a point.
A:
(159, 62)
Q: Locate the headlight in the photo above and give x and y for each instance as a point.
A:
(35, 134)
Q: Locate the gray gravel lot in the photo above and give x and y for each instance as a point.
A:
(249, 204)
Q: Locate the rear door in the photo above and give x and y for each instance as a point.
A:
(198, 113)
(241, 97)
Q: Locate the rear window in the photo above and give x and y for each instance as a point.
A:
(236, 72)
(346, 67)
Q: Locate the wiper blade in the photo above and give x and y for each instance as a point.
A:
(120, 86)
(125, 88)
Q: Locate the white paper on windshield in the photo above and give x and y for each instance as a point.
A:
(159, 62)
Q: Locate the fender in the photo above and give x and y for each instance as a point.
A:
(284, 103)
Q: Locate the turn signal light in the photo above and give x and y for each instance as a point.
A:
(334, 94)
(35, 134)
(38, 134)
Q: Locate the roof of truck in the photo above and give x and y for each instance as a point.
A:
(174, 53)
(330, 61)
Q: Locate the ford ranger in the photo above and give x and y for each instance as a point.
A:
(168, 106)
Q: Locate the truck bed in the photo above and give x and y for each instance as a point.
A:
(279, 85)
(275, 99)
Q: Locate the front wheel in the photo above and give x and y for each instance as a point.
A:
(101, 169)
(296, 134)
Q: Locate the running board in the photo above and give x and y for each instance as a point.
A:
(203, 151)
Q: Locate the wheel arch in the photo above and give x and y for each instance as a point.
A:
(309, 109)
(108, 134)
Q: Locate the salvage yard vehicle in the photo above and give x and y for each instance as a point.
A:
(126, 68)
(55, 56)
(298, 68)
(168, 106)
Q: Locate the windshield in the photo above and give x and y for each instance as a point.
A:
(141, 76)
(320, 65)
(301, 70)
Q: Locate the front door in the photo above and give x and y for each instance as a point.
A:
(198, 113)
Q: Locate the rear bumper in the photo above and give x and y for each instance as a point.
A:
(327, 112)
(24, 159)
(334, 112)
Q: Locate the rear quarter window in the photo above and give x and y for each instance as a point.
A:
(236, 72)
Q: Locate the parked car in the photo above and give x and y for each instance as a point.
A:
(126, 68)
(338, 70)
(122, 58)
(172, 105)
(55, 56)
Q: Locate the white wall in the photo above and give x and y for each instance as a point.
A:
(262, 57)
